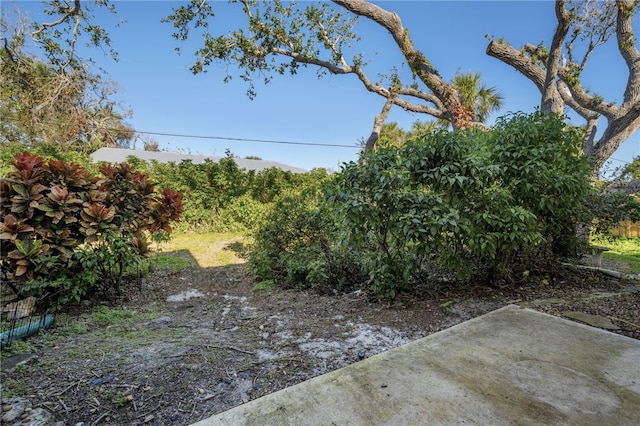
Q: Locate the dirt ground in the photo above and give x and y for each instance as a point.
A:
(203, 340)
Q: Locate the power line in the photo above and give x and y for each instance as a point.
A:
(181, 135)
(621, 161)
(177, 135)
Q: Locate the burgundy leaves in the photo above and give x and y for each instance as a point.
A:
(52, 207)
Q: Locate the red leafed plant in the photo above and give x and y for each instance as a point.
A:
(94, 219)
(168, 208)
(11, 228)
(52, 211)
(131, 193)
(28, 167)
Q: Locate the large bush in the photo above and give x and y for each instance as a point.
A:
(447, 205)
(297, 244)
(435, 205)
(63, 230)
(542, 166)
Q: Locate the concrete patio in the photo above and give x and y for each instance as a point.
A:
(510, 366)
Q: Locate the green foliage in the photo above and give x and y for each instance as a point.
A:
(63, 230)
(630, 171)
(243, 213)
(607, 210)
(545, 172)
(264, 285)
(460, 205)
(220, 196)
(436, 205)
(271, 26)
(295, 247)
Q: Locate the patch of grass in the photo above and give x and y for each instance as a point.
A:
(136, 336)
(623, 250)
(170, 261)
(264, 285)
(81, 351)
(105, 316)
(121, 399)
(209, 249)
(12, 387)
(447, 307)
(75, 328)
(17, 347)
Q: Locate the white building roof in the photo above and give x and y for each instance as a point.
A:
(120, 155)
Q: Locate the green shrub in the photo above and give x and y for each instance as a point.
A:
(243, 214)
(217, 195)
(464, 203)
(468, 205)
(295, 246)
(543, 168)
(437, 204)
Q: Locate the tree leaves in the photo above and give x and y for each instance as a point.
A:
(461, 202)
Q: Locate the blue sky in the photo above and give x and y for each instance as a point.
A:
(155, 82)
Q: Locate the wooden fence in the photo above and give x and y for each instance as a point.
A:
(627, 229)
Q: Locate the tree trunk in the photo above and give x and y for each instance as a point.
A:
(377, 124)
(559, 85)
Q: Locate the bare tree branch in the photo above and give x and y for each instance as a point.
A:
(523, 63)
(551, 99)
(416, 60)
(559, 81)
(628, 48)
(378, 122)
(69, 12)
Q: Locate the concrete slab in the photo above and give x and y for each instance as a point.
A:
(511, 366)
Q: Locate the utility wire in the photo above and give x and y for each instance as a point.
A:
(180, 135)
(177, 135)
(621, 161)
(245, 139)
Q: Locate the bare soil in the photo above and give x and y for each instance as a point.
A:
(203, 340)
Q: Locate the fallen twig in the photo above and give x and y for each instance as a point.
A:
(625, 321)
(102, 416)
(62, 392)
(252, 318)
(124, 386)
(45, 405)
(63, 405)
(148, 412)
(209, 396)
(233, 348)
(174, 356)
